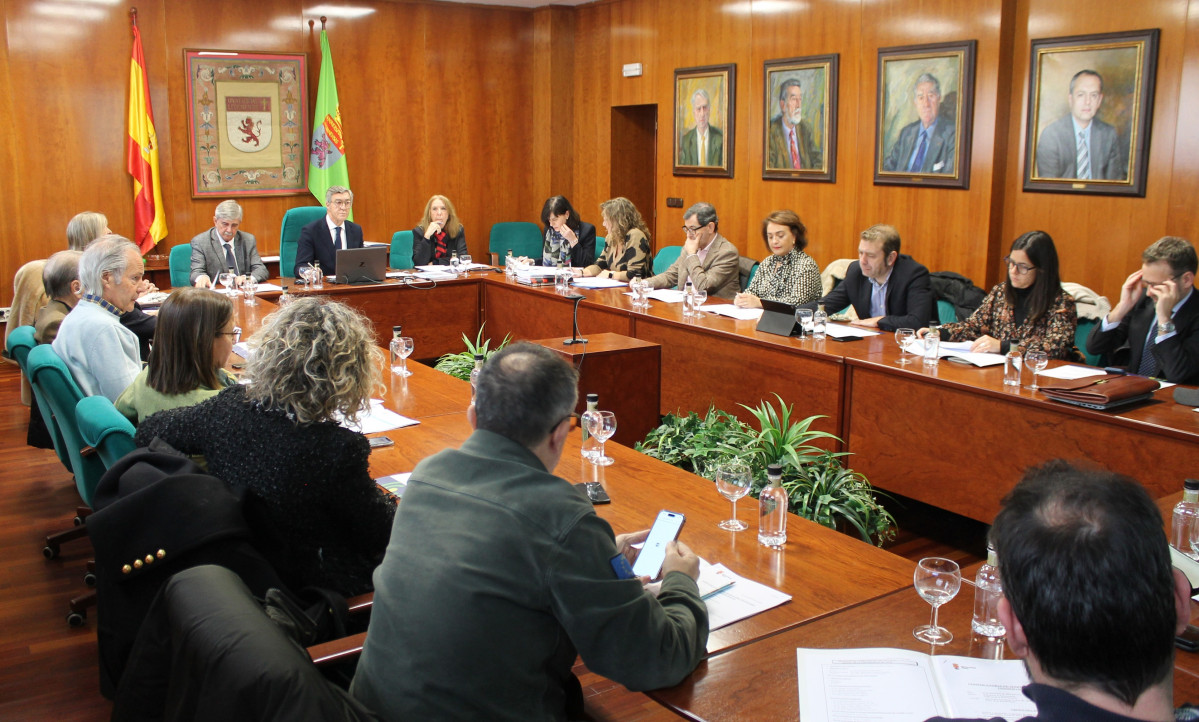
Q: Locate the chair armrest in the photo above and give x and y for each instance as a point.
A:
(495, 259)
(337, 650)
(361, 603)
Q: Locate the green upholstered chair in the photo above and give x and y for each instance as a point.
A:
(104, 429)
(401, 250)
(50, 374)
(665, 257)
(600, 244)
(1080, 339)
(181, 265)
(522, 237)
(746, 267)
(946, 313)
(289, 235)
(20, 343)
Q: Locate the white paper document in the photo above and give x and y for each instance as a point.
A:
(241, 348)
(667, 295)
(377, 418)
(433, 267)
(435, 275)
(958, 350)
(264, 286)
(899, 685)
(740, 599)
(597, 282)
(728, 309)
(839, 330)
(1071, 371)
(396, 483)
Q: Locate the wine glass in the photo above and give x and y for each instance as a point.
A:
(805, 318)
(937, 580)
(698, 297)
(733, 482)
(1037, 361)
(904, 336)
(401, 348)
(227, 280)
(601, 425)
(464, 263)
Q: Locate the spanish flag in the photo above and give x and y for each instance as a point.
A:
(149, 220)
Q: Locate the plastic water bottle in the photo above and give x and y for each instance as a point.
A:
(1011, 367)
(509, 264)
(455, 262)
(772, 506)
(474, 376)
(1186, 516)
(590, 446)
(396, 363)
(688, 299)
(819, 323)
(988, 590)
(932, 345)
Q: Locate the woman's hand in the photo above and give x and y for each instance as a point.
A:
(747, 300)
(921, 332)
(985, 344)
(434, 227)
(569, 235)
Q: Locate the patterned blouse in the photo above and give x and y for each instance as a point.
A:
(634, 258)
(1052, 333)
(792, 278)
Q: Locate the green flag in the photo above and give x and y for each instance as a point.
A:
(327, 161)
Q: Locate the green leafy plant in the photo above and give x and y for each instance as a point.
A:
(459, 364)
(818, 485)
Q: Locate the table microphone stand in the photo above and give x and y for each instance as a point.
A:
(574, 334)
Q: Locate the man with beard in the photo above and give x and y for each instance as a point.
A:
(791, 144)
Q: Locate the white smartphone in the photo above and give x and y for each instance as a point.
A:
(666, 529)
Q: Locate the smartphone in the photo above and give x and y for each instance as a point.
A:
(666, 529)
(1189, 639)
(378, 442)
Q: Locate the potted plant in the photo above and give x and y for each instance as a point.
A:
(459, 364)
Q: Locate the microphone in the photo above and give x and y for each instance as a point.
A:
(574, 335)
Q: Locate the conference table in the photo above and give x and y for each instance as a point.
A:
(952, 436)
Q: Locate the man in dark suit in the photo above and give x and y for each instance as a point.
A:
(320, 240)
(927, 145)
(888, 290)
(1157, 318)
(1080, 145)
(223, 248)
(704, 144)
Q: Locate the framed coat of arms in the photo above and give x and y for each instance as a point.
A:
(247, 123)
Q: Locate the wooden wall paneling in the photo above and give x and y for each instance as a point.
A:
(826, 208)
(944, 229)
(553, 102)
(589, 119)
(16, 245)
(1182, 219)
(1006, 104)
(1099, 239)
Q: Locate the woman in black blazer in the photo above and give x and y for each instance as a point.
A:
(567, 238)
(439, 235)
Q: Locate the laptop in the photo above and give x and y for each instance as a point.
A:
(778, 318)
(362, 265)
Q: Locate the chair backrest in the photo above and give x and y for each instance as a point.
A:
(746, 267)
(946, 312)
(20, 344)
(289, 235)
(665, 258)
(600, 244)
(181, 265)
(401, 250)
(522, 237)
(104, 428)
(48, 373)
(1080, 339)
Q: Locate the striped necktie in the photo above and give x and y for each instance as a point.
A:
(1084, 156)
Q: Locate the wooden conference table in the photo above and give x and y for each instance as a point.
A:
(952, 436)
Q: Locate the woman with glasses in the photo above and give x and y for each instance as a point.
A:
(317, 513)
(568, 240)
(787, 275)
(192, 343)
(1027, 311)
(627, 251)
(439, 235)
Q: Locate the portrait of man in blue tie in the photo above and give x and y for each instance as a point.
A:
(928, 144)
(1080, 145)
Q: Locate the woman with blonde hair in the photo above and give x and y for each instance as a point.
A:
(627, 251)
(323, 520)
(439, 235)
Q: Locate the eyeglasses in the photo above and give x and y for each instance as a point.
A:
(692, 231)
(1151, 284)
(343, 204)
(235, 333)
(1021, 268)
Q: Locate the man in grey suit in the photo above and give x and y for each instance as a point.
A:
(703, 137)
(1080, 145)
(926, 145)
(223, 248)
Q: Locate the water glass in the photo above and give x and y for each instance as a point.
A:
(601, 425)
(318, 277)
(464, 262)
(249, 287)
(932, 347)
(937, 580)
(401, 349)
(904, 336)
(1037, 361)
(803, 316)
(698, 297)
(227, 280)
(733, 482)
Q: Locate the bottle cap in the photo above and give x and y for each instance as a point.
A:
(774, 470)
(592, 397)
(478, 357)
(1191, 485)
(396, 329)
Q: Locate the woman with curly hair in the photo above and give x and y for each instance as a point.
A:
(627, 251)
(320, 518)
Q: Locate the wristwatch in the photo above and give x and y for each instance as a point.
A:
(1165, 328)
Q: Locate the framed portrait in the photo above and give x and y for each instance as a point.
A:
(704, 99)
(1090, 108)
(925, 115)
(247, 123)
(799, 139)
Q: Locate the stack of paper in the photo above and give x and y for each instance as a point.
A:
(731, 598)
(728, 309)
(840, 330)
(596, 282)
(377, 418)
(958, 350)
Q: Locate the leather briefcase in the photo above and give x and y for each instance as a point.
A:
(1101, 392)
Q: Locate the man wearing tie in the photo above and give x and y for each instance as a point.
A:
(320, 240)
(1157, 317)
(225, 249)
(791, 144)
(1080, 145)
(926, 145)
(703, 145)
